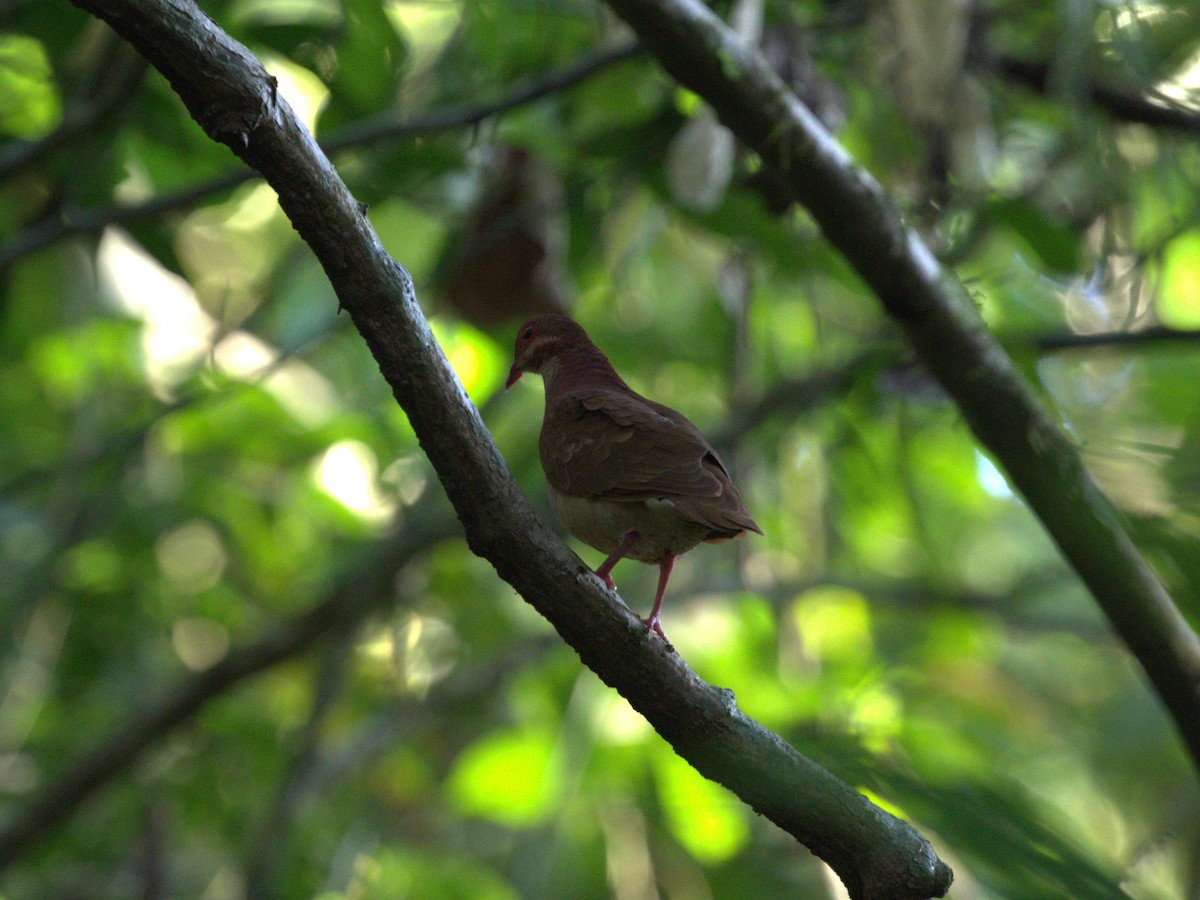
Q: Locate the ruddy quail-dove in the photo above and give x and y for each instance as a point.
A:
(625, 475)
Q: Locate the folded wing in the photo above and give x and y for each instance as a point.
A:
(618, 446)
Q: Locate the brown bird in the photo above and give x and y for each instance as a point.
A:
(626, 475)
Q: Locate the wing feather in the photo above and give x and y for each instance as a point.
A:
(618, 446)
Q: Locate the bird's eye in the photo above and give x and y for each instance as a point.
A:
(527, 333)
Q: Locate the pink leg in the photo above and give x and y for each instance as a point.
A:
(665, 565)
(627, 540)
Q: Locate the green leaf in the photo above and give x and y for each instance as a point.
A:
(510, 777)
(704, 817)
(1178, 303)
(29, 101)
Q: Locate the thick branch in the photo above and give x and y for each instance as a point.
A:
(352, 599)
(944, 329)
(232, 97)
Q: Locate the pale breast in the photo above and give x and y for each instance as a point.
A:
(601, 524)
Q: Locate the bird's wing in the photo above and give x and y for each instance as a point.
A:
(619, 446)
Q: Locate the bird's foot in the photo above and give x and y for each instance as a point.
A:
(607, 579)
(653, 625)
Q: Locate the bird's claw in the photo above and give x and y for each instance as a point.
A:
(607, 579)
(653, 625)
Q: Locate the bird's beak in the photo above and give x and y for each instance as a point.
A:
(513, 375)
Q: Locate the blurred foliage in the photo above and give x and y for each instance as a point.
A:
(197, 448)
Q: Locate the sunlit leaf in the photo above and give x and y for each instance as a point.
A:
(509, 777)
(1179, 296)
(29, 103)
(704, 817)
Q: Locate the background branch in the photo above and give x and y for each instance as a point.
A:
(103, 90)
(318, 768)
(1121, 103)
(268, 847)
(71, 223)
(945, 330)
(1154, 334)
(364, 587)
(235, 101)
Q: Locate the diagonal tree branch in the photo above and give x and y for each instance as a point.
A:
(228, 92)
(944, 328)
(363, 589)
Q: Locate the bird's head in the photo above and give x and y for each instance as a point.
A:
(541, 340)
